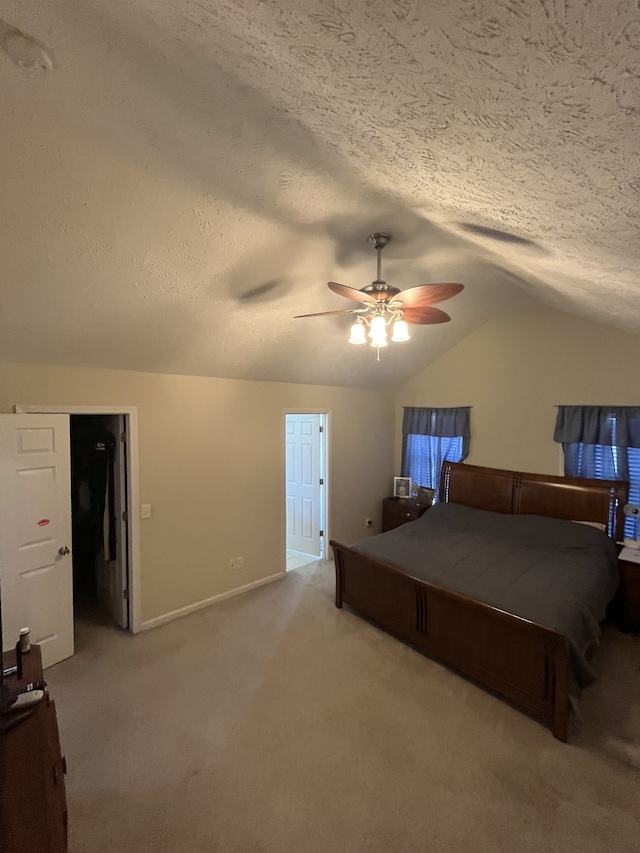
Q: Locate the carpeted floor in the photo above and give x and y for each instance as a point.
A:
(273, 722)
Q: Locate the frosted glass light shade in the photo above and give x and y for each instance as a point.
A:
(380, 342)
(358, 333)
(378, 329)
(400, 331)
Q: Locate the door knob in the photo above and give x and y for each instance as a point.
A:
(63, 551)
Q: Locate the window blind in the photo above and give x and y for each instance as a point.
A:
(425, 454)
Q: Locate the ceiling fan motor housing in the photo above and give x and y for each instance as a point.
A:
(381, 290)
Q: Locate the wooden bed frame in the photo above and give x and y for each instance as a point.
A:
(524, 661)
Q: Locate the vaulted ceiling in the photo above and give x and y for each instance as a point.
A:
(190, 174)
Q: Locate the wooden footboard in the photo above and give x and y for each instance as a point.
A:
(522, 660)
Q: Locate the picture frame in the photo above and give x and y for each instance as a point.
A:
(402, 487)
(425, 496)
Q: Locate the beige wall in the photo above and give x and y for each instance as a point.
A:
(212, 466)
(514, 371)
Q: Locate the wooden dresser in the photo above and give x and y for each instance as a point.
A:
(397, 511)
(629, 596)
(33, 807)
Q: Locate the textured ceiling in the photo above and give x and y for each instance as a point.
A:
(190, 174)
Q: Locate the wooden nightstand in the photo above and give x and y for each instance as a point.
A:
(629, 596)
(33, 805)
(397, 511)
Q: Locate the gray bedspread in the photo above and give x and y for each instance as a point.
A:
(557, 573)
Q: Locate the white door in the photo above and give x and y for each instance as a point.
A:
(36, 577)
(303, 461)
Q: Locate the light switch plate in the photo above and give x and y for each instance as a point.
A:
(145, 510)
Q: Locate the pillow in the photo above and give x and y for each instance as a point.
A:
(597, 524)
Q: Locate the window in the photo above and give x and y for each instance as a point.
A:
(431, 437)
(424, 457)
(597, 443)
(604, 462)
(631, 526)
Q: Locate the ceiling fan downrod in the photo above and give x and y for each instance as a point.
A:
(379, 289)
(379, 241)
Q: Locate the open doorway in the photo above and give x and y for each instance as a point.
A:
(116, 581)
(99, 515)
(306, 487)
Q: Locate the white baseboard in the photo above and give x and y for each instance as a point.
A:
(207, 602)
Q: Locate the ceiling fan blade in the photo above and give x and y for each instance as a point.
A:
(427, 294)
(425, 316)
(349, 292)
(327, 313)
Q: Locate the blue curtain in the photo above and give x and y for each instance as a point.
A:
(617, 426)
(444, 423)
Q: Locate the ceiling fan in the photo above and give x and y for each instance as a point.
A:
(384, 304)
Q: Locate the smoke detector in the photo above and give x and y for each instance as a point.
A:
(23, 50)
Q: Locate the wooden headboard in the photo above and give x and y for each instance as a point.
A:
(571, 498)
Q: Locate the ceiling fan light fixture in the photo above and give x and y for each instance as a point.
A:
(400, 331)
(383, 305)
(358, 333)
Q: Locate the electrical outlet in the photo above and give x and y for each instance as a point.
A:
(236, 563)
(368, 522)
